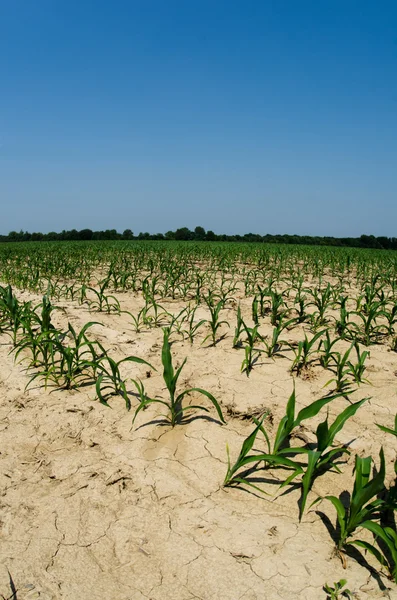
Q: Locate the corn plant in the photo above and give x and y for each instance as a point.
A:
(71, 291)
(370, 331)
(323, 457)
(192, 326)
(391, 318)
(358, 369)
(103, 302)
(138, 320)
(174, 405)
(262, 294)
(214, 322)
(338, 591)
(277, 453)
(277, 302)
(110, 382)
(68, 366)
(38, 344)
(322, 300)
(342, 369)
(14, 313)
(245, 459)
(254, 310)
(304, 352)
(273, 345)
(300, 306)
(238, 330)
(155, 313)
(251, 353)
(225, 292)
(366, 507)
(177, 322)
(44, 319)
(342, 324)
(328, 354)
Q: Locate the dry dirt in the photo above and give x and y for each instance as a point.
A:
(93, 508)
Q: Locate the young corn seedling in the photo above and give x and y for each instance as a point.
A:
(322, 300)
(238, 330)
(251, 353)
(373, 294)
(328, 354)
(273, 345)
(277, 303)
(198, 285)
(342, 324)
(157, 314)
(263, 292)
(44, 319)
(304, 352)
(370, 332)
(391, 317)
(39, 344)
(342, 369)
(68, 366)
(392, 492)
(214, 322)
(177, 321)
(226, 291)
(277, 454)
(82, 291)
(323, 457)
(358, 369)
(21, 320)
(365, 509)
(103, 302)
(254, 311)
(15, 315)
(72, 291)
(300, 306)
(110, 381)
(139, 320)
(174, 404)
(192, 326)
(338, 591)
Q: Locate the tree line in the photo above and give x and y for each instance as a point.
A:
(199, 234)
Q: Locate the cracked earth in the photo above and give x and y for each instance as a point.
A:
(93, 508)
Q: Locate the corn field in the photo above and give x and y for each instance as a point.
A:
(268, 370)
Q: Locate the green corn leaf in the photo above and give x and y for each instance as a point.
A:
(313, 409)
(386, 534)
(370, 548)
(166, 359)
(342, 418)
(307, 479)
(208, 395)
(340, 512)
(262, 429)
(361, 495)
(387, 429)
(322, 434)
(146, 403)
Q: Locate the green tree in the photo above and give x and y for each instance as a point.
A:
(199, 233)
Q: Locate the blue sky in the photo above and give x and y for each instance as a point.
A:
(239, 116)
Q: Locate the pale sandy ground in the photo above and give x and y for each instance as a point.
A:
(92, 508)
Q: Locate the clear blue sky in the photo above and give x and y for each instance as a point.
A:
(239, 116)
